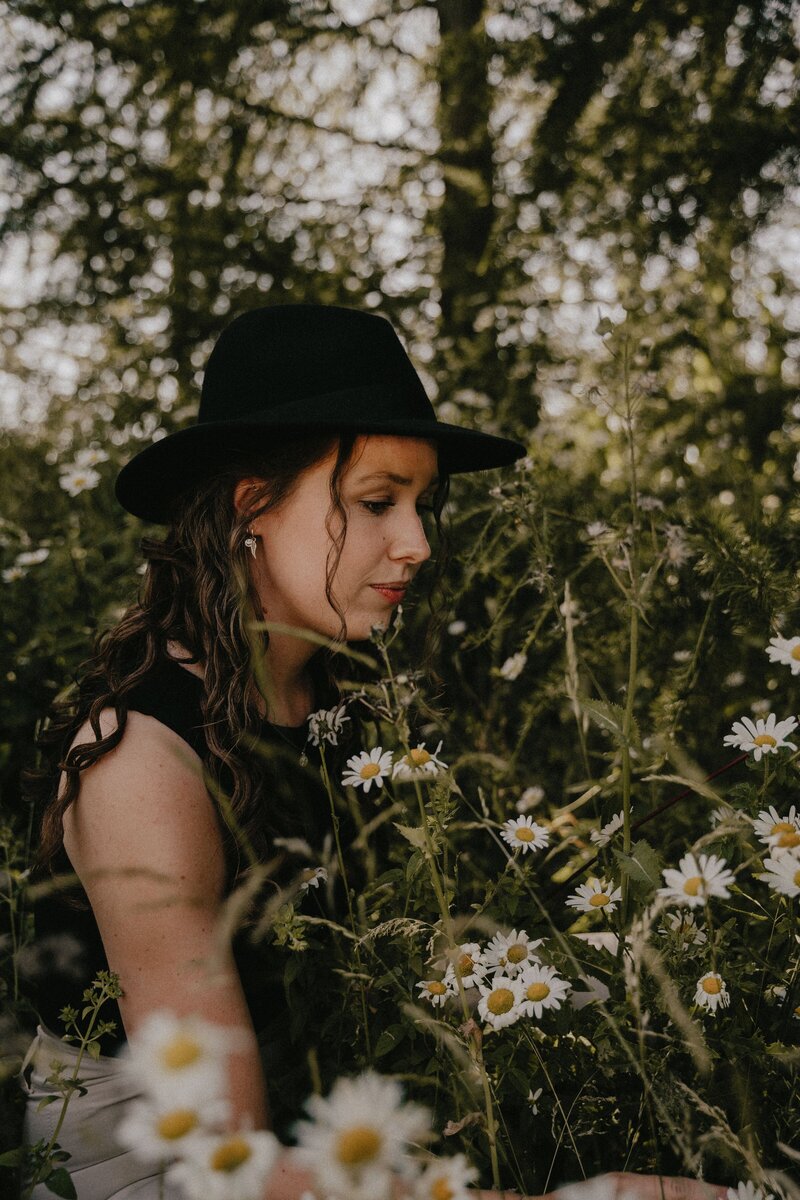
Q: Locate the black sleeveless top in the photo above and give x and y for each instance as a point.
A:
(68, 950)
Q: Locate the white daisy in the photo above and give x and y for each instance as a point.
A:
(326, 724)
(783, 873)
(778, 832)
(226, 1166)
(760, 736)
(588, 897)
(157, 1132)
(684, 927)
(601, 837)
(511, 953)
(467, 964)
(368, 767)
(745, 1190)
(446, 1179)
(712, 992)
(542, 988)
(312, 877)
(513, 667)
(785, 651)
(175, 1059)
(358, 1137)
(530, 798)
(455, 628)
(597, 529)
(418, 763)
(436, 991)
(500, 1001)
(75, 479)
(523, 833)
(696, 880)
(13, 573)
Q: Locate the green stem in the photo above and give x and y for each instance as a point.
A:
(345, 882)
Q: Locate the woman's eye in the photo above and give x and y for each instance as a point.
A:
(376, 507)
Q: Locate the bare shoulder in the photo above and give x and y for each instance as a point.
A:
(144, 805)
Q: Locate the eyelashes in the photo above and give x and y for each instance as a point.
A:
(378, 507)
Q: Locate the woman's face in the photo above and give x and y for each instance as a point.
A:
(385, 489)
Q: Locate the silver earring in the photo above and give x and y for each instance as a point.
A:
(250, 543)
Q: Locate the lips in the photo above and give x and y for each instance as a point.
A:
(394, 592)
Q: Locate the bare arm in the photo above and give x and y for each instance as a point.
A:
(144, 840)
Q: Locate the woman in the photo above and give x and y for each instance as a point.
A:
(296, 499)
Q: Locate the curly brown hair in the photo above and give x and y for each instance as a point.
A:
(198, 592)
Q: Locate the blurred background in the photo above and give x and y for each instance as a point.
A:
(504, 179)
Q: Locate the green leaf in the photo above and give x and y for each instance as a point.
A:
(93, 1050)
(60, 1182)
(13, 1158)
(641, 866)
(611, 718)
(45, 1100)
(387, 1041)
(413, 834)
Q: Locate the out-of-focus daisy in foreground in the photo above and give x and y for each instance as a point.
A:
(226, 1166)
(761, 736)
(176, 1059)
(358, 1137)
(446, 1179)
(745, 1190)
(697, 879)
(158, 1133)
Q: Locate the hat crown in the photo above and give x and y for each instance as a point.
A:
(277, 356)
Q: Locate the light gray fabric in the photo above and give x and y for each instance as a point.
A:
(100, 1168)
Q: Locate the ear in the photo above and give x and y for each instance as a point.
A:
(245, 493)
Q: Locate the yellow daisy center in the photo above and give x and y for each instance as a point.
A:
(465, 965)
(370, 771)
(712, 986)
(599, 900)
(524, 833)
(357, 1145)
(176, 1124)
(692, 886)
(795, 652)
(308, 874)
(418, 758)
(501, 1001)
(781, 827)
(764, 739)
(230, 1155)
(181, 1052)
(797, 879)
(517, 953)
(787, 840)
(441, 1190)
(537, 991)
(436, 987)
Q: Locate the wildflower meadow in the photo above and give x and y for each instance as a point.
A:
(570, 856)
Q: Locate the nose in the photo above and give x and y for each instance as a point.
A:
(410, 543)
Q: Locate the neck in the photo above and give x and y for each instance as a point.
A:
(290, 691)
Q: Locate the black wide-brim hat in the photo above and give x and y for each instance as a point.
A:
(290, 368)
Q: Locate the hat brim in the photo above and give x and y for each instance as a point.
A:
(150, 485)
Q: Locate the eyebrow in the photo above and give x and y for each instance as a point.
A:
(401, 479)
